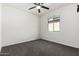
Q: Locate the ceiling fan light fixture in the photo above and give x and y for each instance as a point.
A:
(38, 7)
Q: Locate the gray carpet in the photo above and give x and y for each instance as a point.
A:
(39, 48)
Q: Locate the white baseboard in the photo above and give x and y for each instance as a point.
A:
(21, 41)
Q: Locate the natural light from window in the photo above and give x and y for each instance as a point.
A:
(50, 26)
(57, 26)
(53, 25)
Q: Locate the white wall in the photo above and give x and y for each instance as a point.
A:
(0, 27)
(18, 26)
(69, 34)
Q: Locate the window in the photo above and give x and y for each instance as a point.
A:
(50, 26)
(54, 24)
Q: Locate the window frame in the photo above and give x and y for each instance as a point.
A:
(53, 26)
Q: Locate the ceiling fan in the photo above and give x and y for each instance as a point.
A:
(38, 6)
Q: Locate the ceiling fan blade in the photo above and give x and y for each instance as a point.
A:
(45, 7)
(32, 7)
(37, 4)
(38, 10)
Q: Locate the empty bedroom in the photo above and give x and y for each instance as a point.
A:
(39, 29)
